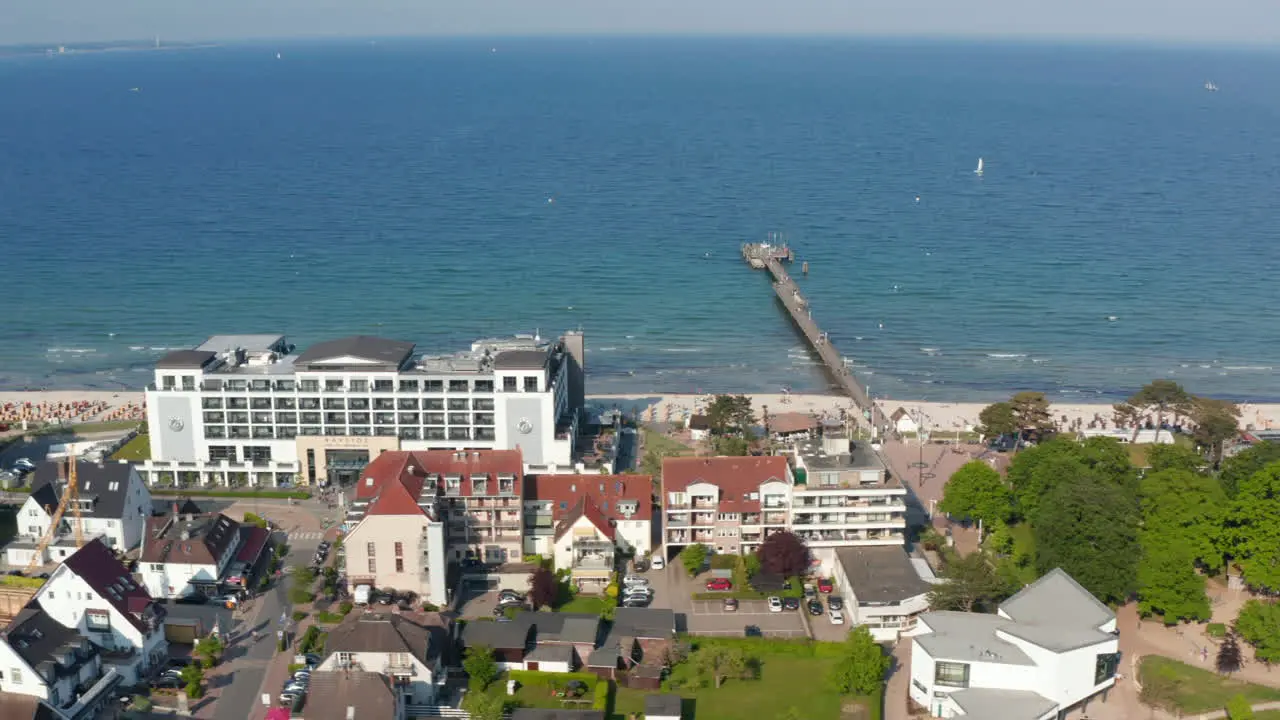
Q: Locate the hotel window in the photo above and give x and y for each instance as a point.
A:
(262, 417)
(211, 403)
(383, 385)
(358, 404)
(373, 565)
(238, 403)
(408, 386)
(286, 403)
(459, 386)
(360, 386)
(459, 433)
(433, 386)
(531, 383)
(309, 386)
(222, 452)
(433, 419)
(167, 382)
(371, 549)
(287, 433)
(508, 384)
(485, 434)
(399, 565)
(308, 403)
(285, 385)
(333, 385)
(483, 404)
(459, 419)
(188, 382)
(458, 403)
(951, 674)
(409, 433)
(433, 434)
(433, 404)
(407, 403)
(484, 386)
(260, 403)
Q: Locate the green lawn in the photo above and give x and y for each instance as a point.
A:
(1194, 690)
(664, 445)
(136, 450)
(585, 604)
(1138, 453)
(1267, 715)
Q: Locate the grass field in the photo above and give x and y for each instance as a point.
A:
(584, 604)
(136, 450)
(1138, 453)
(664, 445)
(1194, 690)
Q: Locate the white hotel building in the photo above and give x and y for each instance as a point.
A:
(248, 410)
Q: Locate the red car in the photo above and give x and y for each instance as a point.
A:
(824, 586)
(719, 584)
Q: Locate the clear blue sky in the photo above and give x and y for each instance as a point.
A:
(1199, 21)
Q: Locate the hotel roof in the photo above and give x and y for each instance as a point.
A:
(521, 360)
(185, 360)
(375, 351)
(254, 343)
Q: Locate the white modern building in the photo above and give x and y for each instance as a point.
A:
(185, 554)
(844, 496)
(1050, 648)
(248, 410)
(883, 588)
(94, 593)
(113, 504)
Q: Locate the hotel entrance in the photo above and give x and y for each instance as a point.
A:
(343, 467)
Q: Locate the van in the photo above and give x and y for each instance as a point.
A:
(362, 594)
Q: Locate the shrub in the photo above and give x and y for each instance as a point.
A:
(1216, 630)
(295, 667)
(611, 591)
(345, 607)
(428, 607)
(329, 618)
(600, 700)
(298, 615)
(724, 562)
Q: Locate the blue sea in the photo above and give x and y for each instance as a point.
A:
(1125, 228)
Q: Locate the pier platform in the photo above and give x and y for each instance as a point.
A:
(766, 256)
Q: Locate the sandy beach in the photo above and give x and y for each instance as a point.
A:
(940, 416)
(71, 405)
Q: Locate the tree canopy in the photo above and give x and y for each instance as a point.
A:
(862, 665)
(970, 585)
(998, 419)
(1088, 527)
(1036, 471)
(977, 491)
(1253, 528)
(1031, 411)
(730, 415)
(1216, 421)
(783, 553)
(1259, 625)
(693, 557)
(1159, 396)
(480, 665)
(1174, 457)
(543, 588)
(1245, 463)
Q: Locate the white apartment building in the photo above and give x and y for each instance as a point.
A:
(248, 410)
(838, 495)
(884, 589)
(1048, 650)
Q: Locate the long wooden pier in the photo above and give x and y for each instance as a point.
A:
(766, 256)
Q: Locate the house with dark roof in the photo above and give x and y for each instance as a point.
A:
(884, 588)
(1048, 650)
(584, 521)
(546, 641)
(14, 706)
(184, 554)
(352, 695)
(408, 650)
(113, 504)
(57, 664)
(93, 593)
(556, 714)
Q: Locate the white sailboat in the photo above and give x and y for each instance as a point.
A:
(978, 172)
(1210, 87)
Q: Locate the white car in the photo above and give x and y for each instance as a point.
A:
(645, 591)
(836, 617)
(631, 581)
(775, 604)
(658, 563)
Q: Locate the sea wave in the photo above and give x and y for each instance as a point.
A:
(74, 351)
(1006, 356)
(680, 350)
(930, 350)
(1256, 368)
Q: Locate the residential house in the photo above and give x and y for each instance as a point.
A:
(45, 659)
(903, 422)
(113, 504)
(699, 427)
(187, 554)
(546, 641)
(585, 521)
(93, 593)
(352, 695)
(844, 496)
(26, 707)
(663, 707)
(509, 641)
(728, 503)
(884, 589)
(792, 426)
(1050, 648)
(408, 651)
(396, 535)
(638, 640)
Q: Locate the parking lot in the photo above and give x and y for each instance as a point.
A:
(709, 617)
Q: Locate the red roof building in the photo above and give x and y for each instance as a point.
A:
(616, 508)
(728, 503)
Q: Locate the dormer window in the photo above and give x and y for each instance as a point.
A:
(479, 485)
(452, 483)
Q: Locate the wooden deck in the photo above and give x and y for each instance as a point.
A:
(771, 258)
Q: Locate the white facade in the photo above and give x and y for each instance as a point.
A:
(420, 566)
(847, 499)
(1051, 647)
(249, 416)
(418, 678)
(21, 678)
(172, 580)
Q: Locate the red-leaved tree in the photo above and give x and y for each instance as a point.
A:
(782, 553)
(542, 588)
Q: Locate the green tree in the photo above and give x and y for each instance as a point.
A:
(977, 491)
(693, 557)
(1245, 464)
(1174, 457)
(193, 679)
(730, 445)
(209, 650)
(480, 666)
(998, 419)
(1184, 508)
(1216, 421)
(1169, 585)
(1035, 472)
(1031, 410)
(1162, 397)
(1238, 708)
(970, 585)
(721, 663)
(1259, 624)
(862, 665)
(1253, 528)
(730, 415)
(1089, 528)
(483, 706)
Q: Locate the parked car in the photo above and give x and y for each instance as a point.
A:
(192, 599)
(167, 681)
(837, 617)
(657, 563)
(719, 584)
(634, 581)
(835, 602)
(228, 601)
(810, 591)
(731, 604)
(304, 675)
(752, 631)
(791, 603)
(24, 464)
(775, 604)
(312, 660)
(825, 586)
(287, 699)
(815, 608)
(636, 601)
(510, 594)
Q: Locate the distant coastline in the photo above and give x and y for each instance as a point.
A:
(10, 51)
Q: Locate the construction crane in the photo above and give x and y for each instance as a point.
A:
(70, 496)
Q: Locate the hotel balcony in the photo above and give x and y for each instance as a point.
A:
(830, 538)
(704, 519)
(775, 518)
(852, 521)
(677, 520)
(706, 503)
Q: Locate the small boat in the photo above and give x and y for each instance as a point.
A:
(1210, 87)
(278, 56)
(978, 172)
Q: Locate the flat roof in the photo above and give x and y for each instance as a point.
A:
(521, 360)
(185, 360)
(859, 457)
(881, 575)
(263, 342)
(375, 350)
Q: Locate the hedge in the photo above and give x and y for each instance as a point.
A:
(600, 700)
(262, 494)
(328, 618)
(1216, 630)
(21, 581)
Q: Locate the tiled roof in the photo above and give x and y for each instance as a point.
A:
(14, 706)
(105, 484)
(737, 477)
(37, 638)
(387, 633)
(332, 692)
(585, 508)
(792, 422)
(252, 541)
(111, 580)
(413, 468)
(208, 537)
(604, 491)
